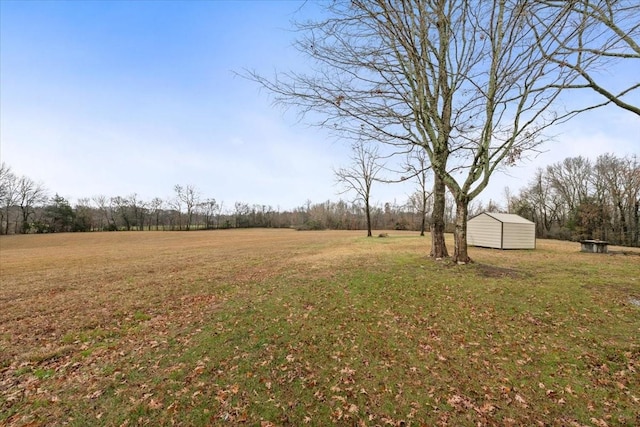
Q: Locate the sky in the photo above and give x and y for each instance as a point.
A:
(120, 97)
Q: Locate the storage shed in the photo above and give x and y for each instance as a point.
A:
(501, 231)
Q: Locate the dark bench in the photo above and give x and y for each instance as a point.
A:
(595, 246)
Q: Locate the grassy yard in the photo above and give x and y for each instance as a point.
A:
(278, 327)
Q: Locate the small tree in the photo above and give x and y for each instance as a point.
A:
(360, 175)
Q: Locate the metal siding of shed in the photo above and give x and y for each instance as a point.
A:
(484, 231)
(519, 236)
(508, 218)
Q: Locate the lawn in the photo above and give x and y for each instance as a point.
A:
(279, 327)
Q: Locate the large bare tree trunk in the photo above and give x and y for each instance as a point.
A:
(625, 237)
(438, 246)
(460, 254)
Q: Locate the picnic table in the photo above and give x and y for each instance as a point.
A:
(595, 246)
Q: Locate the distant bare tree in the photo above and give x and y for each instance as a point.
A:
(417, 166)
(30, 194)
(120, 207)
(156, 209)
(138, 210)
(241, 214)
(360, 175)
(104, 207)
(540, 203)
(219, 213)
(509, 198)
(571, 178)
(208, 209)
(8, 195)
(188, 196)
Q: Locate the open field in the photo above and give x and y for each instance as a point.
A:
(278, 327)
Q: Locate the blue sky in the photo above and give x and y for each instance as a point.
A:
(122, 97)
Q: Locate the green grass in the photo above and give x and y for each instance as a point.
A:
(368, 332)
(379, 346)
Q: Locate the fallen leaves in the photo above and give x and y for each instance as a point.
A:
(154, 404)
(518, 398)
(360, 340)
(94, 395)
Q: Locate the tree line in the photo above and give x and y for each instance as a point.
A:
(572, 200)
(578, 199)
(26, 207)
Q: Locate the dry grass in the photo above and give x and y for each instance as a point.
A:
(278, 327)
(54, 285)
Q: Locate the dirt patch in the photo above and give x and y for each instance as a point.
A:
(492, 271)
(625, 253)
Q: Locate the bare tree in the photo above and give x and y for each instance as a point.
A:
(190, 197)
(208, 209)
(156, 209)
(219, 213)
(121, 206)
(8, 195)
(591, 36)
(509, 198)
(138, 210)
(417, 166)
(241, 214)
(30, 194)
(571, 178)
(464, 80)
(360, 175)
(105, 212)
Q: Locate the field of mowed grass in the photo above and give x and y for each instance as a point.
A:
(279, 327)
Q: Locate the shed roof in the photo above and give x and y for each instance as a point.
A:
(507, 218)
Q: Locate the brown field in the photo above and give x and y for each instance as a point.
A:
(56, 284)
(278, 327)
